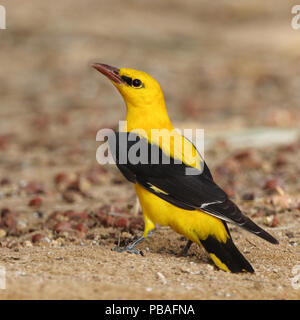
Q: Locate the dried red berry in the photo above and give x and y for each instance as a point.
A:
(271, 184)
(121, 223)
(36, 238)
(60, 177)
(62, 226)
(275, 222)
(35, 202)
(82, 228)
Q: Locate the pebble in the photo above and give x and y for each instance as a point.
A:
(22, 224)
(283, 201)
(162, 277)
(127, 235)
(71, 196)
(27, 243)
(188, 270)
(209, 267)
(46, 239)
(84, 185)
(2, 233)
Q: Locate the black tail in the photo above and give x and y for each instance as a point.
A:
(226, 255)
(234, 215)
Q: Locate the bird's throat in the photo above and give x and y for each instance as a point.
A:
(146, 118)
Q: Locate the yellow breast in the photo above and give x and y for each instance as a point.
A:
(192, 224)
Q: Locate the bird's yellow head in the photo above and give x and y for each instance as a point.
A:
(143, 96)
(137, 87)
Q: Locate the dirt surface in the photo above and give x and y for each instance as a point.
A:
(224, 67)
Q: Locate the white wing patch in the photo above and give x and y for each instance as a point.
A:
(204, 205)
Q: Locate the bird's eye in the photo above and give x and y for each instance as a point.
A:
(137, 83)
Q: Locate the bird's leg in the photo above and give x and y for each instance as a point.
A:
(131, 247)
(186, 248)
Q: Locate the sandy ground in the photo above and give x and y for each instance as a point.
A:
(225, 68)
(95, 272)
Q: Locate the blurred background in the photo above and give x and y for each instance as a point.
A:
(230, 67)
(229, 61)
(224, 67)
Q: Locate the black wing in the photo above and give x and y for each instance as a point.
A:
(169, 181)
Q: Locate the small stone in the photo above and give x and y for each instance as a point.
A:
(283, 201)
(268, 220)
(248, 196)
(209, 267)
(84, 185)
(126, 235)
(162, 278)
(27, 243)
(46, 239)
(2, 233)
(71, 196)
(22, 224)
(289, 234)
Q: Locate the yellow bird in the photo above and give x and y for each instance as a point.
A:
(193, 205)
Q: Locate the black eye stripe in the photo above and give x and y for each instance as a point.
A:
(127, 80)
(137, 83)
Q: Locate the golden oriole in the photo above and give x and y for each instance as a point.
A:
(193, 205)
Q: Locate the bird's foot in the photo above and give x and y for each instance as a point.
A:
(128, 249)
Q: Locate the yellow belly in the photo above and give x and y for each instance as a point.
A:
(194, 225)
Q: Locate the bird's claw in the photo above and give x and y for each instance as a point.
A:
(128, 249)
